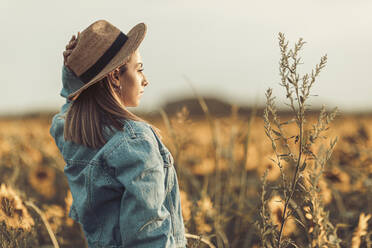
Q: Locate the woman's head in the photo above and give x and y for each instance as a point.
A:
(100, 49)
(104, 104)
(129, 81)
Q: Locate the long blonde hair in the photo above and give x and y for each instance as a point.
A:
(96, 107)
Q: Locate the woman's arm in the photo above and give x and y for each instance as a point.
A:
(69, 84)
(144, 220)
(70, 81)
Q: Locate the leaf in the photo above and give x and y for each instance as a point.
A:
(288, 122)
(287, 159)
(276, 133)
(272, 160)
(290, 80)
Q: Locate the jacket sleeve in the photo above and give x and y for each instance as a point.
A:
(70, 83)
(144, 220)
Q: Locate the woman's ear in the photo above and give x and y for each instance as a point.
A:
(116, 73)
(114, 78)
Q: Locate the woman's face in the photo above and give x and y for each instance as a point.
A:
(133, 81)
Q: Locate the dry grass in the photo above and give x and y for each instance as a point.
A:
(300, 166)
(345, 188)
(239, 188)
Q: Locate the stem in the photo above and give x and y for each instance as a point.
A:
(205, 241)
(294, 183)
(243, 178)
(46, 223)
(294, 180)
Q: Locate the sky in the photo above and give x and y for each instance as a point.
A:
(226, 49)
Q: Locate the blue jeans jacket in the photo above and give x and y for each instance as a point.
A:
(126, 193)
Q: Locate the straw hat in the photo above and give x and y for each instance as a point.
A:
(100, 49)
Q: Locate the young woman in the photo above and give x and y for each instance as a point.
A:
(122, 179)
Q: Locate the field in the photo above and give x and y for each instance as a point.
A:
(220, 163)
(248, 177)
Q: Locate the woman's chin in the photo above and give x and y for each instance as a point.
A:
(133, 105)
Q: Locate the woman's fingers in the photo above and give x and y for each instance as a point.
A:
(70, 46)
(72, 42)
(73, 38)
(65, 55)
(67, 52)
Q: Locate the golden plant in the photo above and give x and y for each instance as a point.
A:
(54, 215)
(219, 162)
(205, 211)
(42, 179)
(12, 210)
(293, 149)
(273, 171)
(186, 206)
(276, 207)
(361, 230)
(339, 179)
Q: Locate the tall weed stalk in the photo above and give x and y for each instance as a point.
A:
(300, 166)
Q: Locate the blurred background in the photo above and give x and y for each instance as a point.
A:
(227, 52)
(226, 49)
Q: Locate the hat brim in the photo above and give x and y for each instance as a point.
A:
(135, 37)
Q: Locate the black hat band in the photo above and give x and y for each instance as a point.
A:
(104, 59)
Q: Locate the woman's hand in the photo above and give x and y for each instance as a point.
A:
(69, 47)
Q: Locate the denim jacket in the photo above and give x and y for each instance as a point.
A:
(126, 193)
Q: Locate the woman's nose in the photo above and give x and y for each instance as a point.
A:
(145, 82)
